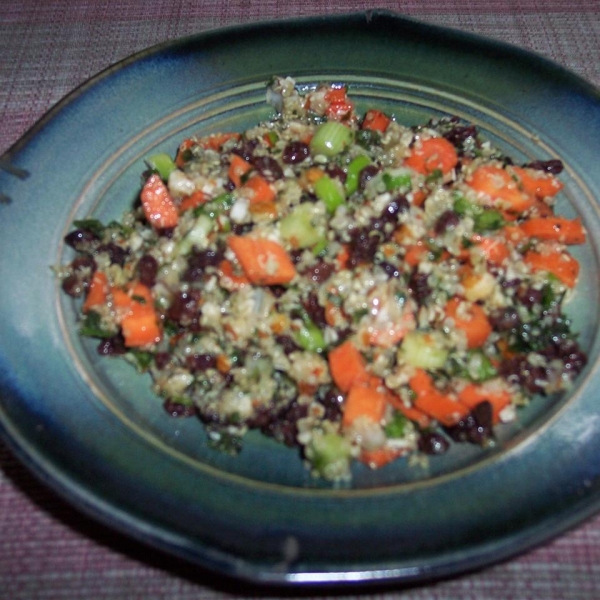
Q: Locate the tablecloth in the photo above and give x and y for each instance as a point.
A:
(49, 549)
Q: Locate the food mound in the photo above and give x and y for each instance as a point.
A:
(355, 287)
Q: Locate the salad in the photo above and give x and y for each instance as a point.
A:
(346, 284)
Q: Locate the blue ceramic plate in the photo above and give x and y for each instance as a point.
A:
(92, 428)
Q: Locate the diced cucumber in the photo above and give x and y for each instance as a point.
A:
(329, 454)
(309, 336)
(423, 350)
(300, 227)
(196, 236)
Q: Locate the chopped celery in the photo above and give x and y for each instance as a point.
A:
(331, 192)
(488, 220)
(329, 454)
(397, 179)
(331, 138)
(162, 163)
(299, 227)
(309, 336)
(353, 172)
(479, 366)
(196, 236)
(423, 350)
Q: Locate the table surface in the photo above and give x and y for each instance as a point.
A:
(50, 550)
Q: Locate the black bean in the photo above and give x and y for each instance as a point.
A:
(73, 286)
(184, 308)
(84, 263)
(366, 175)
(319, 272)
(475, 427)
(245, 149)
(268, 167)
(446, 221)
(116, 254)
(81, 239)
(199, 260)
(147, 269)
(295, 152)
(391, 271)
(332, 400)
(505, 319)
(287, 343)
(162, 359)
(363, 246)
(433, 443)
(553, 166)
(315, 311)
(200, 362)
(336, 172)
(178, 409)
(419, 286)
(459, 134)
(112, 346)
(529, 297)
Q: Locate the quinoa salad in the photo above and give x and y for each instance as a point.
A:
(351, 286)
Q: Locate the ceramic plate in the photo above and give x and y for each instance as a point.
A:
(92, 428)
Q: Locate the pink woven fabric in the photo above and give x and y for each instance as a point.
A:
(47, 549)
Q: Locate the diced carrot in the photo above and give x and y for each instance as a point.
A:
(234, 280)
(375, 120)
(514, 235)
(343, 257)
(565, 231)
(364, 400)
(216, 141)
(474, 324)
(434, 403)
(138, 318)
(419, 197)
(498, 184)
(264, 262)
(238, 167)
(493, 250)
(472, 395)
(159, 207)
(193, 200)
(346, 365)
(313, 174)
(333, 314)
(140, 330)
(339, 106)
(415, 253)
(260, 190)
(537, 183)
(380, 457)
(97, 294)
(561, 264)
(186, 145)
(432, 155)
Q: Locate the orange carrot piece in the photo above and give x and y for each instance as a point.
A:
(375, 120)
(475, 323)
(434, 403)
(347, 365)
(536, 183)
(493, 249)
(565, 231)
(158, 205)
(431, 155)
(260, 190)
(499, 185)
(264, 262)
(238, 167)
(339, 106)
(140, 329)
(343, 257)
(472, 395)
(415, 253)
(193, 200)
(216, 141)
(97, 294)
(234, 280)
(560, 264)
(181, 151)
(364, 400)
(375, 459)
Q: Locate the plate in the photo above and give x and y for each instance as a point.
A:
(91, 427)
